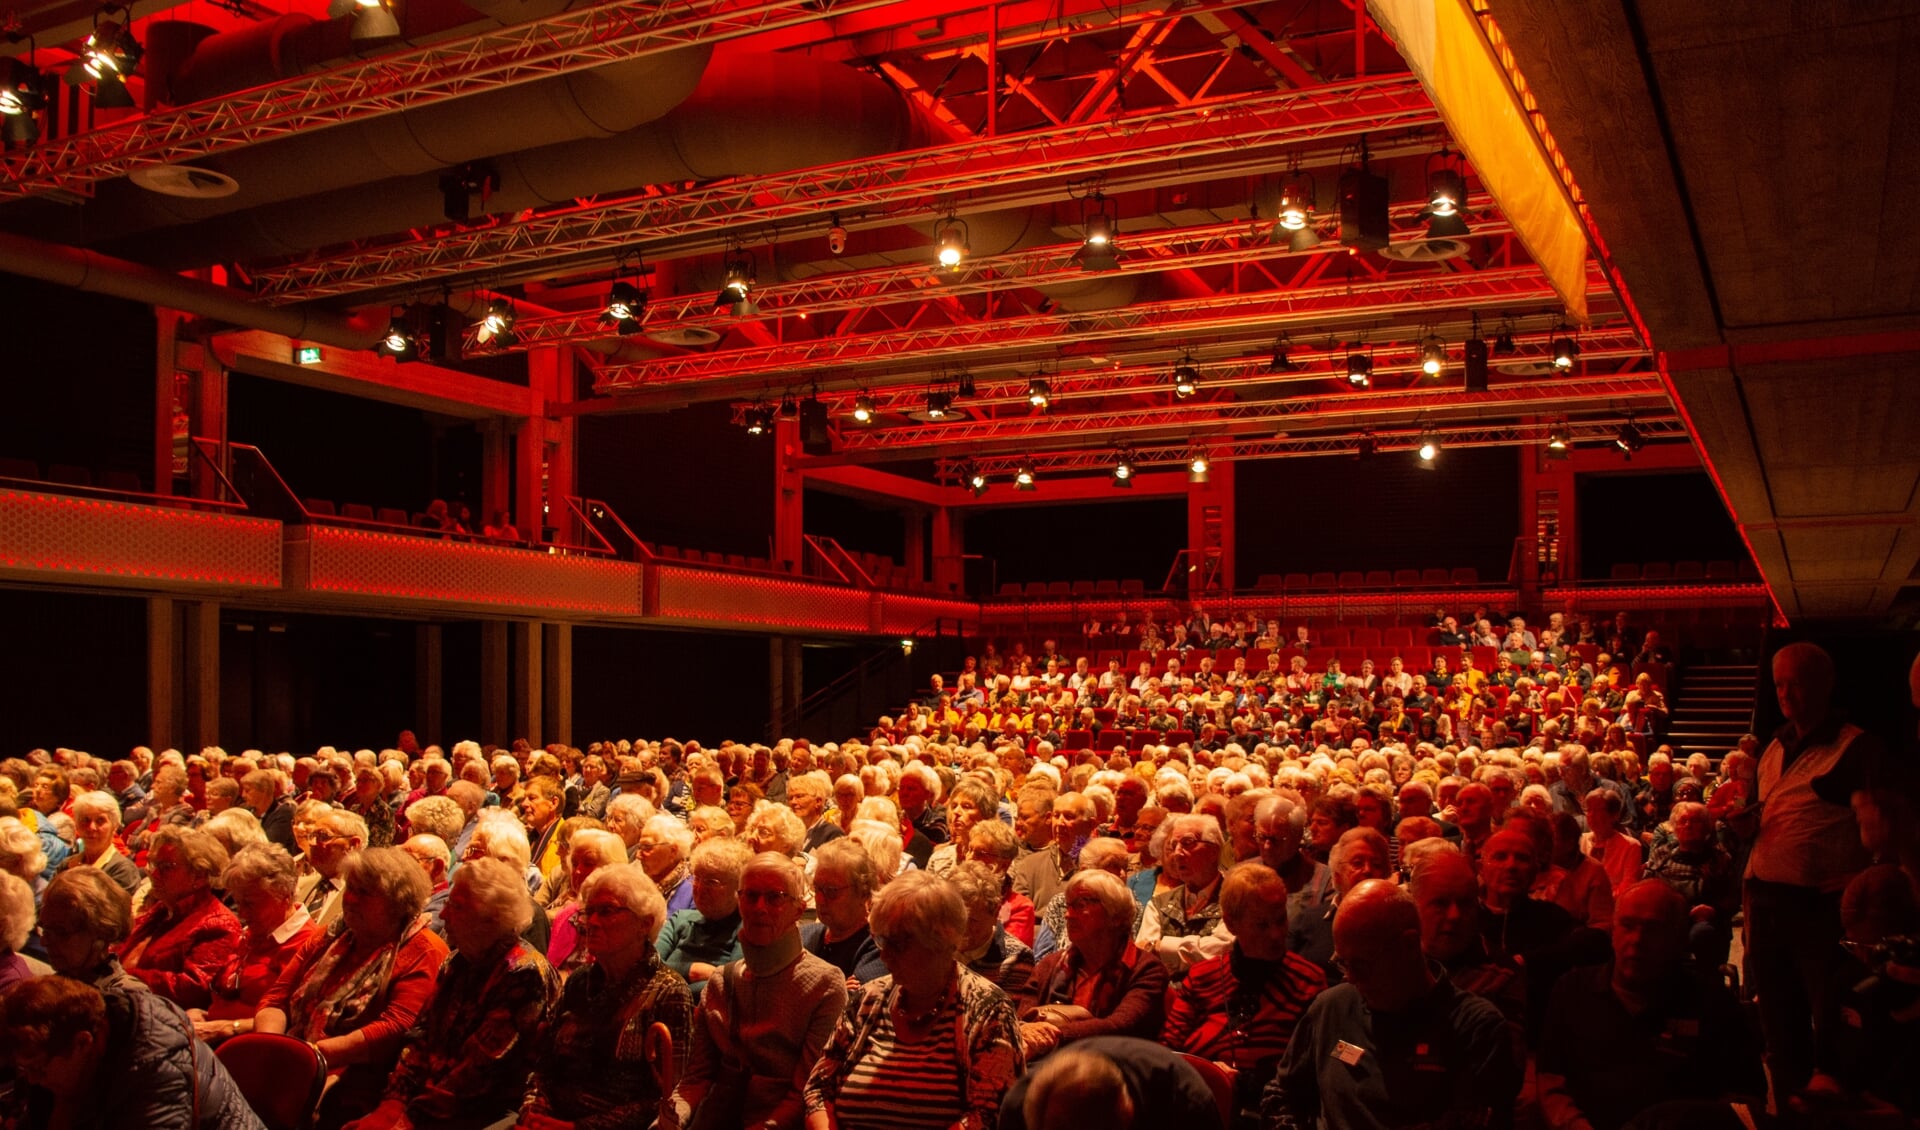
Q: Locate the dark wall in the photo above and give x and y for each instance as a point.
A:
(73, 672)
(1121, 540)
(341, 448)
(1340, 512)
(687, 478)
(631, 682)
(80, 375)
(300, 682)
(858, 526)
(1656, 516)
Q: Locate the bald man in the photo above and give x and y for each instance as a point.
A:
(1646, 1028)
(1396, 1045)
(1807, 848)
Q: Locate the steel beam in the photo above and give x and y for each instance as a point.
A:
(566, 43)
(1234, 136)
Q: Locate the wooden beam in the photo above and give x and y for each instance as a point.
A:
(370, 376)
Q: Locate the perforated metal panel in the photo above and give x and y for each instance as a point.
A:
(45, 536)
(745, 599)
(336, 560)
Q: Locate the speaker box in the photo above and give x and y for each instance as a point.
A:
(1363, 209)
(1476, 364)
(814, 437)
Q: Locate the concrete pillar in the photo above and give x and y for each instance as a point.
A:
(493, 682)
(1210, 538)
(429, 673)
(915, 522)
(529, 688)
(789, 492)
(496, 470)
(558, 665)
(203, 673)
(949, 546)
(162, 722)
(209, 421)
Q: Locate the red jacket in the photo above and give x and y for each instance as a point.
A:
(180, 957)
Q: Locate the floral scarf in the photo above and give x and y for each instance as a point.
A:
(332, 999)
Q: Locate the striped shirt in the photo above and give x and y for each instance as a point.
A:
(905, 1085)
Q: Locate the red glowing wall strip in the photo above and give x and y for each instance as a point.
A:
(363, 562)
(759, 601)
(61, 534)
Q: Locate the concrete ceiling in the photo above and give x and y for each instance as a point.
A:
(1753, 169)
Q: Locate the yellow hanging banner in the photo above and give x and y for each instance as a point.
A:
(1441, 41)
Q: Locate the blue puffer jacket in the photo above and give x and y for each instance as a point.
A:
(154, 1075)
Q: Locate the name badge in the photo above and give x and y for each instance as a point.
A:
(1348, 1054)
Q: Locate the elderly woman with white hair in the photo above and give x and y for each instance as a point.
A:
(96, 820)
(260, 882)
(592, 850)
(698, 941)
(1105, 984)
(16, 926)
(664, 849)
(591, 1068)
(185, 935)
(354, 992)
(931, 1045)
(465, 1065)
(763, 1019)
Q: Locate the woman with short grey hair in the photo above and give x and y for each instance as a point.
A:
(260, 881)
(931, 1044)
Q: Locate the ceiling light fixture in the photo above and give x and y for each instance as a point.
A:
(863, 408)
(1023, 476)
(736, 293)
(1098, 228)
(1186, 378)
(1039, 395)
(1446, 197)
(1565, 349)
(950, 238)
(1359, 370)
(626, 303)
(400, 342)
(1629, 439)
(23, 94)
(1433, 355)
(1281, 362)
(497, 326)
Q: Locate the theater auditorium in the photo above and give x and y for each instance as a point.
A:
(958, 564)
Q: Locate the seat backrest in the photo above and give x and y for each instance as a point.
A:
(1217, 1082)
(279, 1076)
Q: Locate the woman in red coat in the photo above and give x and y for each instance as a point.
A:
(185, 936)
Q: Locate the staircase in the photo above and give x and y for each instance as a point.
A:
(1711, 708)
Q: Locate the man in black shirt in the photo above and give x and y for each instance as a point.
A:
(1645, 1028)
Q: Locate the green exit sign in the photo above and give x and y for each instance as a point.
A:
(307, 354)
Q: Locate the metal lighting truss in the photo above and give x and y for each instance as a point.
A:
(1527, 397)
(569, 42)
(1226, 137)
(1146, 252)
(905, 392)
(1348, 304)
(1399, 438)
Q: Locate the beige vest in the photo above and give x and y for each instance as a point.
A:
(1805, 841)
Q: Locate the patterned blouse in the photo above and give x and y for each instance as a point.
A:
(467, 1059)
(590, 1068)
(985, 1046)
